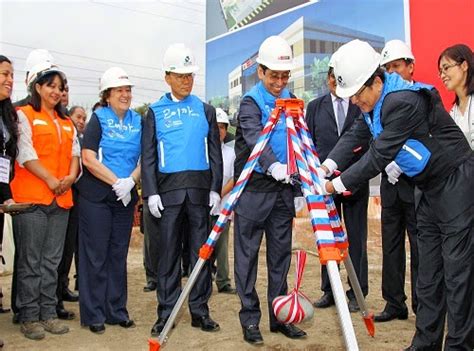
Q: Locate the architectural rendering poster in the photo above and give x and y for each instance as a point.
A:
(313, 29)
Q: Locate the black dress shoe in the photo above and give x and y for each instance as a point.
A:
(150, 286)
(70, 296)
(127, 324)
(227, 289)
(205, 323)
(385, 316)
(97, 328)
(325, 301)
(252, 334)
(63, 313)
(353, 306)
(158, 326)
(289, 330)
(16, 318)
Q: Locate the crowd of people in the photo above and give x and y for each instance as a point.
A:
(79, 182)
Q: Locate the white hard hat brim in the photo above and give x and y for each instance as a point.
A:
(45, 73)
(117, 83)
(350, 91)
(287, 66)
(183, 70)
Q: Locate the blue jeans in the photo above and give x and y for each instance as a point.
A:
(40, 234)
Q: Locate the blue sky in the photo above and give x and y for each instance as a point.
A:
(384, 18)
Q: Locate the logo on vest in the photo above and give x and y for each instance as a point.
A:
(117, 130)
(173, 116)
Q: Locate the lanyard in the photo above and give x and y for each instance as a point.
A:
(4, 134)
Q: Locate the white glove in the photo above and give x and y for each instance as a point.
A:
(279, 171)
(321, 173)
(393, 171)
(214, 203)
(300, 202)
(323, 186)
(155, 205)
(127, 198)
(123, 186)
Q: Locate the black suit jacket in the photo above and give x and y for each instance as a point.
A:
(321, 122)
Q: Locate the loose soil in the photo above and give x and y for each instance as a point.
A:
(324, 332)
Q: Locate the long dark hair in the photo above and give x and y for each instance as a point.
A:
(47, 79)
(460, 53)
(10, 121)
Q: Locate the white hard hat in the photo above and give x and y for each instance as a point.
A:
(38, 56)
(395, 50)
(275, 53)
(40, 70)
(114, 77)
(221, 116)
(179, 59)
(355, 62)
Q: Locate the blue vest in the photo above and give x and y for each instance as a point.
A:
(413, 156)
(119, 147)
(182, 129)
(266, 102)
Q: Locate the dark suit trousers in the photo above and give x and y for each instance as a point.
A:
(151, 227)
(446, 268)
(397, 218)
(354, 211)
(248, 237)
(169, 257)
(70, 249)
(104, 236)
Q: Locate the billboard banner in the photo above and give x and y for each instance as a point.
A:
(314, 29)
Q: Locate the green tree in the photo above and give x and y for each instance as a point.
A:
(319, 70)
(142, 109)
(220, 101)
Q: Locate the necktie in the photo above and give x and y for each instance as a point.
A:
(341, 116)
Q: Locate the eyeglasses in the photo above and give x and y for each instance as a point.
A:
(276, 76)
(360, 91)
(444, 69)
(182, 77)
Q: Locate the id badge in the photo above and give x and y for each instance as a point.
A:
(4, 169)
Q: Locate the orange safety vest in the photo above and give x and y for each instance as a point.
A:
(54, 155)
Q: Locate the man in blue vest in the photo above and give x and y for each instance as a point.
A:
(409, 125)
(182, 179)
(398, 209)
(266, 204)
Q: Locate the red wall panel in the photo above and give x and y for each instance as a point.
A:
(435, 25)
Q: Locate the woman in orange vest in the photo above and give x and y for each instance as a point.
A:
(46, 166)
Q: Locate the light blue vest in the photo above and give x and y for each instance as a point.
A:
(413, 156)
(266, 103)
(182, 129)
(119, 147)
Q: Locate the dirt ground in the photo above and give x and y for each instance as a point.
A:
(324, 332)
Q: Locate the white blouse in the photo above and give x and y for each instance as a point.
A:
(465, 120)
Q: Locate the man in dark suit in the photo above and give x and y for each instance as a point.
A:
(266, 204)
(181, 178)
(398, 210)
(328, 117)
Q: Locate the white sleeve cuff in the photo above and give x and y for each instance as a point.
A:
(269, 169)
(26, 151)
(331, 166)
(338, 186)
